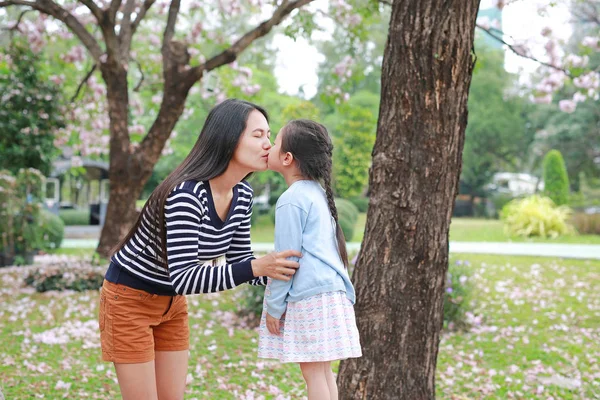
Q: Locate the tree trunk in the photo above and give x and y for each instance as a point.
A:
(399, 276)
(124, 187)
(131, 168)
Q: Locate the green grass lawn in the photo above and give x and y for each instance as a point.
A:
(534, 318)
(461, 230)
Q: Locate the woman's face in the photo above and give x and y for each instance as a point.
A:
(253, 147)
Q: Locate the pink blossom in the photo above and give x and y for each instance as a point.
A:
(590, 80)
(546, 31)
(592, 42)
(547, 99)
(576, 61)
(60, 385)
(579, 97)
(567, 106)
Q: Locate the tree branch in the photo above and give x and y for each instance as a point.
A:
(96, 11)
(83, 82)
(112, 10)
(139, 85)
(50, 8)
(514, 49)
(141, 14)
(128, 27)
(15, 27)
(171, 20)
(229, 55)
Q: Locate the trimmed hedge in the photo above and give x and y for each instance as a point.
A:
(556, 180)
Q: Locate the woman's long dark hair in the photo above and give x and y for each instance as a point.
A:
(208, 159)
(312, 148)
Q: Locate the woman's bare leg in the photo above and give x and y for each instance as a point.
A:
(171, 372)
(137, 381)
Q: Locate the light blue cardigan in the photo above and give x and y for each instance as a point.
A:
(303, 222)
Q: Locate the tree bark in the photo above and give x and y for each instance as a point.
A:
(124, 174)
(399, 276)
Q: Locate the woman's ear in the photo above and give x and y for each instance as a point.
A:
(288, 159)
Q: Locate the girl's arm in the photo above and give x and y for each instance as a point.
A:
(289, 225)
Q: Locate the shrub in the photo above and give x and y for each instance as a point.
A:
(75, 217)
(586, 223)
(53, 230)
(556, 180)
(347, 217)
(457, 293)
(360, 202)
(66, 276)
(20, 226)
(536, 216)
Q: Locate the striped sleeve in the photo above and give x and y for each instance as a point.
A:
(241, 249)
(183, 214)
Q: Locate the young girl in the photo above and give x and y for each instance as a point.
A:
(310, 318)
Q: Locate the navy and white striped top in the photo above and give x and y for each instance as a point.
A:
(196, 235)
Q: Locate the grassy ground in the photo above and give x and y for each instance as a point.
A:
(461, 230)
(533, 318)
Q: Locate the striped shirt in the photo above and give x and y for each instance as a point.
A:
(196, 236)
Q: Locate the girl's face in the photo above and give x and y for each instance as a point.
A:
(252, 150)
(275, 156)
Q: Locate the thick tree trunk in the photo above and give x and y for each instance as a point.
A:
(400, 272)
(124, 187)
(131, 168)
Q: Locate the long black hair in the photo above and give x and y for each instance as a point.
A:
(208, 159)
(310, 144)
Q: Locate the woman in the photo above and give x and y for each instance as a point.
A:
(199, 213)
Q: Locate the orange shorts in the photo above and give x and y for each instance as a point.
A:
(134, 324)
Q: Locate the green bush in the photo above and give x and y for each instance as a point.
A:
(536, 216)
(53, 230)
(457, 293)
(66, 276)
(347, 217)
(556, 180)
(360, 202)
(586, 223)
(75, 217)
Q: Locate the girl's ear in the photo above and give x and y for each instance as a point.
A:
(288, 159)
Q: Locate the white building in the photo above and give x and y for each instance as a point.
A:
(515, 184)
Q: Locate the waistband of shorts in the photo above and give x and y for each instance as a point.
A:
(119, 275)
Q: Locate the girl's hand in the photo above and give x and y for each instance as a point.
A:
(273, 325)
(276, 265)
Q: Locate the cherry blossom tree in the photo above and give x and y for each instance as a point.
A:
(184, 43)
(564, 65)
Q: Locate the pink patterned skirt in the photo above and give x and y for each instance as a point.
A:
(318, 328)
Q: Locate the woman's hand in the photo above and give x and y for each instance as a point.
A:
(273, 325)
(276, 265)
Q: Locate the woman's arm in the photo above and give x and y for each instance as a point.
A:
(183, 215)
